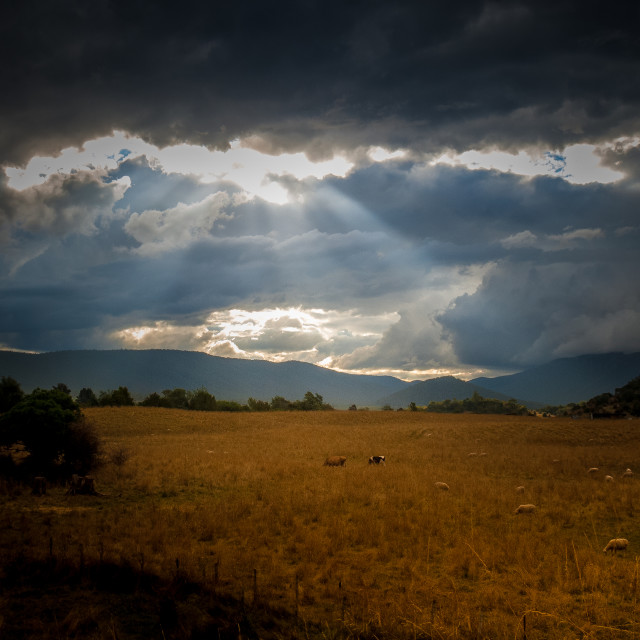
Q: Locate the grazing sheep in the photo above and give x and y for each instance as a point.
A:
(593, 470)
(616, 544)
(443, 486)
(627, 474)
(608, 478)
(520, 489)
(526, 508)
(484, 453)
(472, 454)
(377, 460)
(335, 461)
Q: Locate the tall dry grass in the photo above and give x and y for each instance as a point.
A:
(243, 503)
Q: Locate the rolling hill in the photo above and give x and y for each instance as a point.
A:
(445, 388)
(145, 371)
(566, 380)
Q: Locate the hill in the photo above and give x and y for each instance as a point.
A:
(625, 402)
(146, 371)
(559, 382)
(568, 379)
(445, 388)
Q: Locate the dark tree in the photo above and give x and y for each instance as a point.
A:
(152, 400)
(10, 393)
(258, 405)
(61, 386)
(87, 398)
(175, 399)
(202, 400)
(51, 428)
(278, 403)
(118, 398)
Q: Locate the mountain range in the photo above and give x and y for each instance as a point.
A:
(145, 371)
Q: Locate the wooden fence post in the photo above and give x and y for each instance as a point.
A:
(255, 587)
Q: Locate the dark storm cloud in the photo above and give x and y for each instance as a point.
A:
(526, 313)
(317, 75)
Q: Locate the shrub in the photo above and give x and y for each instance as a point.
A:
(49, 427)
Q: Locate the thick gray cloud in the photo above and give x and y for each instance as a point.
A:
(318, 75)
(525, 313)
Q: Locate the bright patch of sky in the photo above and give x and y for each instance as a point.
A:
(256, 173)
(578, 164)
(267, 334)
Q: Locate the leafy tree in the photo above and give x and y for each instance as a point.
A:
(258, 405)
(312, 402)
(175, 399)
(10, 393)
(229, 405)
(61, 386)
(118, 398)
(152, 400)
(202, 400)
(51, 429)
(87, 398)
(278, 403)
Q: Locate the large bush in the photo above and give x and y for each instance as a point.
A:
(47, 433)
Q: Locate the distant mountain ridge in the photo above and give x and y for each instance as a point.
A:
(445, 388)
(145, 371)
(566, 380)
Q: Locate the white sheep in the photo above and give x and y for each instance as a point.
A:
(473, 454)
(593, 470)
(520, 489)
(616, 544)
(526, 508)
(628, 473)
(608, 478)
(443, 486)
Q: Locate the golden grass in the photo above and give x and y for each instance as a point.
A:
(374, 550)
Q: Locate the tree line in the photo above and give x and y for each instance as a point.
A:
(199, 400)
(624, 402)
(46, 433)
(475, 404)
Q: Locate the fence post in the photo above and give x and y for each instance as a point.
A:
(255, 587)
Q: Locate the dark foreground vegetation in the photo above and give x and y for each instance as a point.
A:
(65, 597)
(624, 402)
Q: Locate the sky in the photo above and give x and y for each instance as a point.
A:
(413, 189)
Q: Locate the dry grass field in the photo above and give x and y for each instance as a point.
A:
(241, 505)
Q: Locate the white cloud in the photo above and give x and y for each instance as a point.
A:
(578, 164)
(255, 172)
(570, 239)
(275, 334)
(159, 231)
